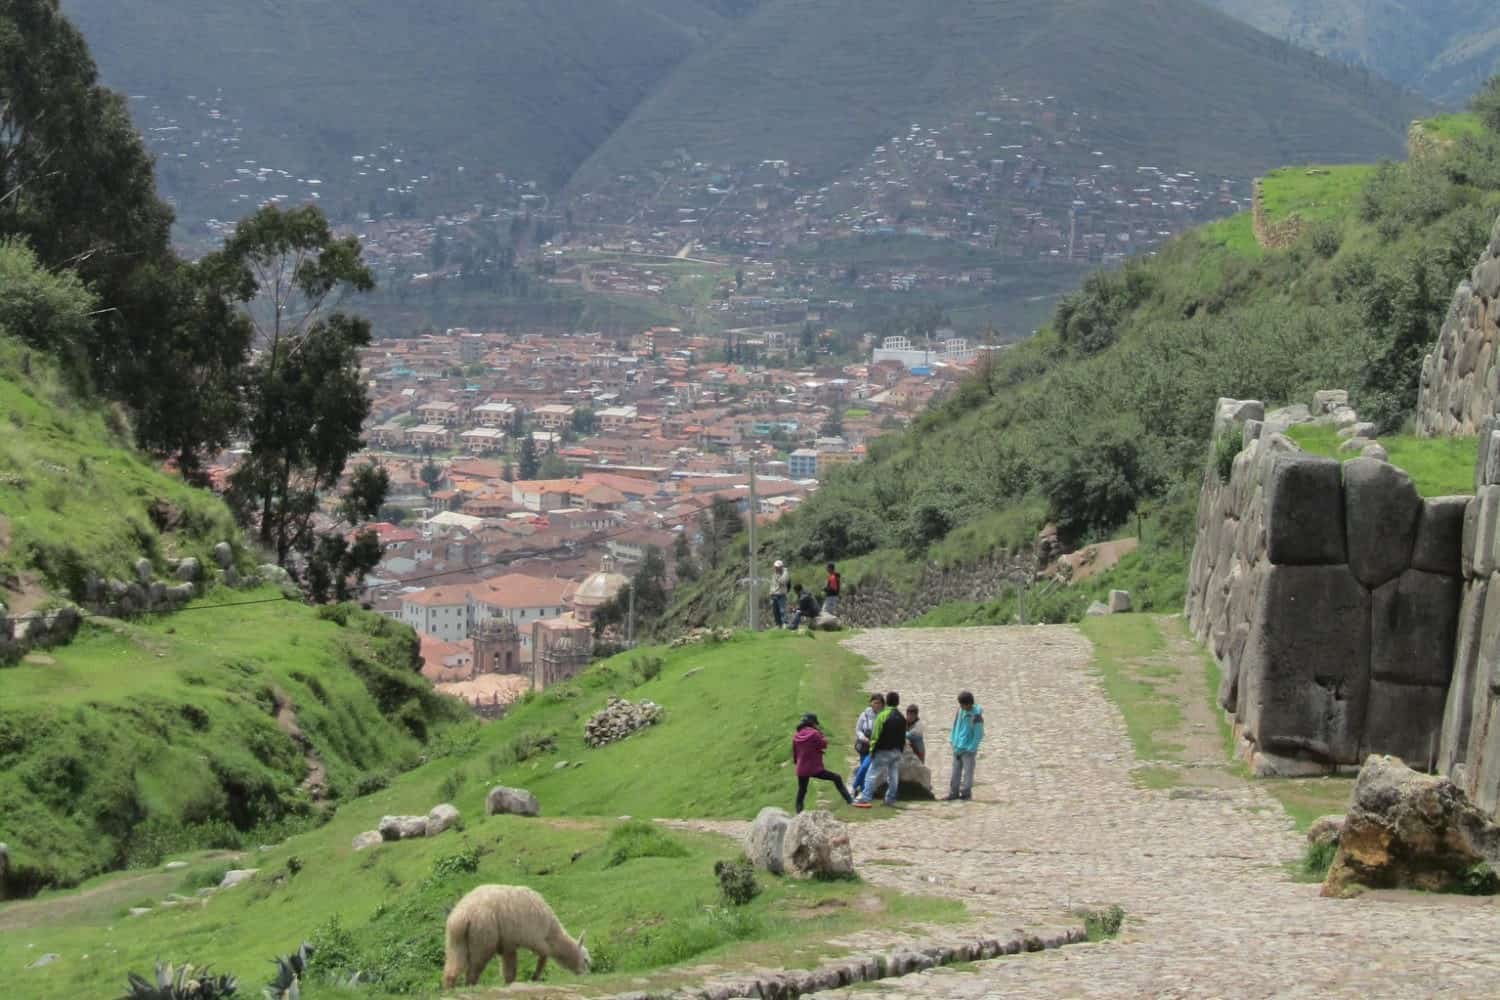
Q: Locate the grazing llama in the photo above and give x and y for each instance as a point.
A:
(499, 919)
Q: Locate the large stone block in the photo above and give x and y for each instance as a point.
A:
(1305, 512)
(1305, 673)
(1458, 710)
(1405, 720)
(1486, 514)
(1328, 400)
(1440, 531)
(1483, 770)
(1413, 619)
(1381, 509)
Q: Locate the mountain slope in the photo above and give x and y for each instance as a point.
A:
(527, 87)
(1442, 48)
(823, 83)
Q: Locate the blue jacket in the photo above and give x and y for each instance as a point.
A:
(968, 730)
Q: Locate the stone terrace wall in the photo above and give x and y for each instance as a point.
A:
(1329, 595)
(1461, 377)
(879, 604)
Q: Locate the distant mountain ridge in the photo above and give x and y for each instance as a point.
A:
(532, 86)
(820, 83)
(555, 91)
(1444, 49)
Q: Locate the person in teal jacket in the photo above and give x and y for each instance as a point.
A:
(965, 737)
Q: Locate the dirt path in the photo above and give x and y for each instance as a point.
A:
(316, 782)
(1059, 821)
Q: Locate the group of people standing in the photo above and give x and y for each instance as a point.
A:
(803, 604)
(881, 735)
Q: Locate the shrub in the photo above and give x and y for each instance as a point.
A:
(1227, 447)
(1101, 925)
(531, 744)
(465, 862)
(1316, 860)
(737, 883)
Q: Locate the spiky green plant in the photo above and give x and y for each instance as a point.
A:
(182, 982)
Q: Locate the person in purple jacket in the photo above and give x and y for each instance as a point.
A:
(807, 753)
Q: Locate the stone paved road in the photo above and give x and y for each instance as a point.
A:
(1058, 823)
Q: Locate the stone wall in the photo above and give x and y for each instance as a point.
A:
(1461, 377)
(878, 604)
(1470, 746)
(1329, 594)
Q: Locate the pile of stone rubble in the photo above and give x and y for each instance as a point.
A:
(619, 719)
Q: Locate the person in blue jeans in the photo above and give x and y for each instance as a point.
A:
(887, 741)
(964, 739)
(862, 728)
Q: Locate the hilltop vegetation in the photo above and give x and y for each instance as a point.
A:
(1442, 48)
(1170, 81)
(1104, 416)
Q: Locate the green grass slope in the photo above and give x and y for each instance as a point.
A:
(142, 738)
(1171, 81)
(161, 734)
(1443, 48)
(646, 896)
(75, 498)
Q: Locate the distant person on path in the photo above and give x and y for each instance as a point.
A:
(807, 753)
(967, 734)
(831, 588)
(887, 740)
(807, 607)
(863, 726)
(780, 581)
(915, 735)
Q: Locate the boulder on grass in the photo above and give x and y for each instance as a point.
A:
(441, 818)
(370, 838)
(764, 839)
(402, 827)
(916, 779)
(816, 845)
(827, 623)
(1406, 830)
(235, 876)
(511, 801)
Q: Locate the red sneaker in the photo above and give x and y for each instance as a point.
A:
(862, 805)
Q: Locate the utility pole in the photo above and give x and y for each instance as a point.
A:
(754, 600)
(630, 619)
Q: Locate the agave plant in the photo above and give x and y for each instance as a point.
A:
(291, 972)
(287, 985)
(182, 982)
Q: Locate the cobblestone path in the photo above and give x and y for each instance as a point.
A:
(1057, 823)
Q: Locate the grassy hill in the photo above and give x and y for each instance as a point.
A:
(1442, 48)
(647, 897)
(157, 735)
(1170, 80)
(1100, 423)
(527, 87)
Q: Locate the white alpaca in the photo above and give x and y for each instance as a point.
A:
(499, 919)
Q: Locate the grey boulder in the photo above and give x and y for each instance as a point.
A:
(1304, 512)
(1409, 830)
(511, 801)
(402, 827)
(816, 845)
(441, 818)
(763, 841)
